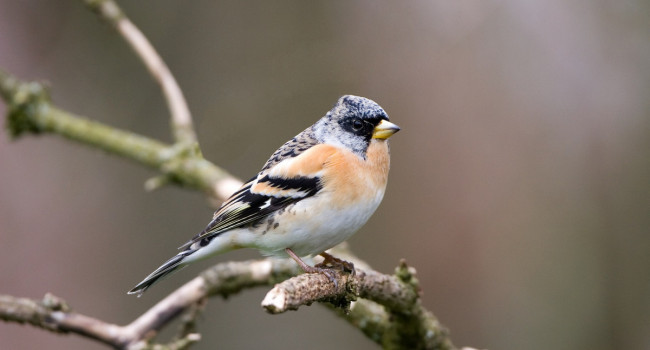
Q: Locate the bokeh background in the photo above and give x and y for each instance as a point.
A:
(520, 186)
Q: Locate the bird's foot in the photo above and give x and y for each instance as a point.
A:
(328, 267)
(336, 263)
(328, 272)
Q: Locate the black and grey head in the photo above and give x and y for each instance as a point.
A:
(353, 123)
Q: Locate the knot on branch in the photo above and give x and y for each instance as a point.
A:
(54, 303)
(35, 312)
(176, 162)
(407, 275)
(25, 100)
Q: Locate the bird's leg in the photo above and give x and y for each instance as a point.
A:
(336, 263)
(303, 265)
(312, 269)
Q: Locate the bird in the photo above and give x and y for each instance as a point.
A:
(313, 193)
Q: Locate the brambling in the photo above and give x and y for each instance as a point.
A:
(313, 193)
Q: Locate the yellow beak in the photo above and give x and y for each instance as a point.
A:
(384, 130)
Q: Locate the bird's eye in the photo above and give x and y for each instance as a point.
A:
(357, 124)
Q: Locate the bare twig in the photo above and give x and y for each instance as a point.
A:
(54, 315)
(224, 279)
(181, 118)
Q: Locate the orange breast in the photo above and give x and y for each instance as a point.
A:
(347, 177)
(355, 179)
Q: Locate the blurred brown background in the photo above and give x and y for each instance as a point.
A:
(520, 186)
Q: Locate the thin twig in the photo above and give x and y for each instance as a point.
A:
(55, 315)
(52, 314)
(181, 118)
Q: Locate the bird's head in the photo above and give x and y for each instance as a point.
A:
(355, 122)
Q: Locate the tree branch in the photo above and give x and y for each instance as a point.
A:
(224, 279)
(181, 119)
(54, 315)
(385, 319)
(31, 111)
(402, 323)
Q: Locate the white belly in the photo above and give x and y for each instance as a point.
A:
(314, 230)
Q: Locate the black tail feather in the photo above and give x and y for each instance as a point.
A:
(163, 271)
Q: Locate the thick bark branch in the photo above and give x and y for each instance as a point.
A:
(402, 323)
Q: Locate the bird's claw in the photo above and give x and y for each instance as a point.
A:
(330, 261)
(328, 272)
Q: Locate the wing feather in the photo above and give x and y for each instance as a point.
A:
(288, 182)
